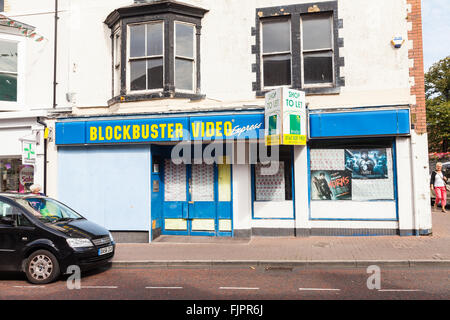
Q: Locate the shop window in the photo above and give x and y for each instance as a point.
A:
(160, 42)
(273, 182)
(355, 171)
(15, 177)
(8, 70)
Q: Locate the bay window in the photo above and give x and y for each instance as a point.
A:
(160, 48)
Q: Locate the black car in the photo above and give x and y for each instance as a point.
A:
(42, 237)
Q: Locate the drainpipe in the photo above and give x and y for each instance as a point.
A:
(55, 54)
(45, 155)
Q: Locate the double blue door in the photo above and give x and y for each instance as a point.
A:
(197, 199)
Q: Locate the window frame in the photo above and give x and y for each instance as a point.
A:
(116, 48)
(359, 143)
(286, 156)
(144, 58)
(146, 12)
(321, 50)
(21, 62)
(262, 21)
(194, 59)
(295, 13)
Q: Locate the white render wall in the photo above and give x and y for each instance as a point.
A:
(375, 73)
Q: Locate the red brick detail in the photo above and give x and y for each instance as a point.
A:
(418, 110)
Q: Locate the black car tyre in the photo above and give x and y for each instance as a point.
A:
(42, 267)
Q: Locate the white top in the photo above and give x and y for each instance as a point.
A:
(439, 180)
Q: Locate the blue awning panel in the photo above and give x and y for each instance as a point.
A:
(361, 123)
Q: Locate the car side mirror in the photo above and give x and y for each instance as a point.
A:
(7, 221)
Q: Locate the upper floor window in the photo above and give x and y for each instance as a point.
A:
(12, 71)
(8, 70)
(146, 56)
(297, 46)
(276, 52)
(184, 56)
(317, 49)
(159, 43)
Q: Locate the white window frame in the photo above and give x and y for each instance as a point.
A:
(194, 59)
(130, 59)
(264, 87)
(302, 63)
(21, 62)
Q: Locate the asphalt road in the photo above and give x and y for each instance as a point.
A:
(236, 283)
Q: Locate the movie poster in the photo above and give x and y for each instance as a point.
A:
(331, 185)
(366, 163)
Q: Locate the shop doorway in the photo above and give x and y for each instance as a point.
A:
(195, 198)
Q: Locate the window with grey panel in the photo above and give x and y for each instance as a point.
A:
(184, 56)
(317, 49)
(146, 56)
(276, 52)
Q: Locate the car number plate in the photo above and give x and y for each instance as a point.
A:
(105, 250)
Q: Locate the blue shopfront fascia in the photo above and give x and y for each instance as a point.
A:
(193, 128)
(322, 125)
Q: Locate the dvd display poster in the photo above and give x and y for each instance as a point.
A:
(358, 174)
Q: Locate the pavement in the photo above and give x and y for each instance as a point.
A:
(314, 251)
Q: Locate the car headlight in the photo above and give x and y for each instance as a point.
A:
(79, 242)
(111, 237)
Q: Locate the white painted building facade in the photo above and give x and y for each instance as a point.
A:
(99, 79)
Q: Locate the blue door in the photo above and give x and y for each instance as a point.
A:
(196, 199)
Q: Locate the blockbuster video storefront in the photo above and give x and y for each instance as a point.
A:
(213, 173)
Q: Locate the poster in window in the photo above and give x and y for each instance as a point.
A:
(331, 185)
(367, 163)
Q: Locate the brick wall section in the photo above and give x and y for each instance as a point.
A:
(418, 111)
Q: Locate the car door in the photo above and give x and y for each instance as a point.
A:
(8, 237)
(15, 231)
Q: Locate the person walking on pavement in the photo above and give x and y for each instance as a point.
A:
(438, 181)
(36, 189)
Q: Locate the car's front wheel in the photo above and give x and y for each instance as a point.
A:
(42, 267)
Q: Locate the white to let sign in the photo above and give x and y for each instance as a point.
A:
(272, 117)
(285, 117)
(28, 152)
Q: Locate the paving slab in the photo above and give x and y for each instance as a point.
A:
(311, 251)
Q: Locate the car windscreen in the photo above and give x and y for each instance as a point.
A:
(47, 209)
